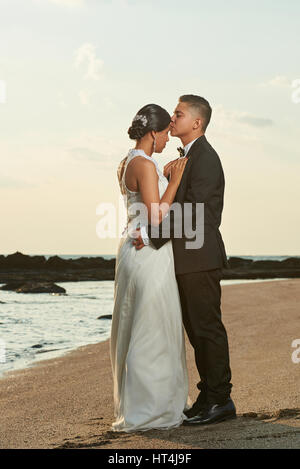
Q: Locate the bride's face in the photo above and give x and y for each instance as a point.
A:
(182, 120)
(161, 139)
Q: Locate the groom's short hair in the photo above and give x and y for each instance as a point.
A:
(200, 105)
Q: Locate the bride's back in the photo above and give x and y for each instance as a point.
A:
(133, 168)
(130, 178)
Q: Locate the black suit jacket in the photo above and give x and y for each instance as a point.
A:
(202, 181)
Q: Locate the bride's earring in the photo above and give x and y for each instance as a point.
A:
(154, 145)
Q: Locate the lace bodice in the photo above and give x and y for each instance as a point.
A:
(130, 197)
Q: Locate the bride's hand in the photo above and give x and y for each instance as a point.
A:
(177, 169)
(167, 167)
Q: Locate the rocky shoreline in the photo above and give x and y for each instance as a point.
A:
(19, 268)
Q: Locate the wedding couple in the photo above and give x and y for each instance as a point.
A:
(161, 285)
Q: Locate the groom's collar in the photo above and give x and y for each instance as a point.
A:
(188, 146)
(194, 143)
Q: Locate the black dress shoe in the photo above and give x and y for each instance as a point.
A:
(198, 406)
(213, 414)
(193, 411)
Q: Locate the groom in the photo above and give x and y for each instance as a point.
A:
(199, 271)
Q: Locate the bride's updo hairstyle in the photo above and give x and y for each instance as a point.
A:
(149, 117)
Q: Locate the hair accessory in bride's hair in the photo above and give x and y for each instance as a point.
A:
(142, 118)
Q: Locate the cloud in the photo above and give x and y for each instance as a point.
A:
(81, 153)
(279, 81)
(237, 126)
(100, 151)
(11, 183)
(255, 121)
(87, 53)
(87, 155)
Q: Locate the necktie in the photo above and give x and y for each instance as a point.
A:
(181, 151)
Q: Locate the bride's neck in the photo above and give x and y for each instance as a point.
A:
(147, 148)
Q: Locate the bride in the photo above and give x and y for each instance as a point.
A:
(147, 348)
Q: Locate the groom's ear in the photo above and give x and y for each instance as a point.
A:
(197, 124)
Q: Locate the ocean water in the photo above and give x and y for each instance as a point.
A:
(39, 326)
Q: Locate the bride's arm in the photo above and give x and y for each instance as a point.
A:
(157, 208)
(167, 168)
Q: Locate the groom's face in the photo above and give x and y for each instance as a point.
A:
(182, 120)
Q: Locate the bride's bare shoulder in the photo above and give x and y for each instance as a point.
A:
(143, 162)
(138, 165)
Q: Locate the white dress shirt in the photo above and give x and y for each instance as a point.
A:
(188, 146)
(144, 234)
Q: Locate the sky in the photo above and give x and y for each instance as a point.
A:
(73, 74)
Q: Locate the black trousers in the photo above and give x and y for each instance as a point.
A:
(200, 295)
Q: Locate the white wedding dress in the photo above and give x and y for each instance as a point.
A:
(147, 345)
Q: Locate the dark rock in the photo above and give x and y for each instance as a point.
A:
(106, 316)
(40, 287)
(19, 260)
(292, 262)
(266, 265)
(37, 346)
(110, 264)
(45, 351)
(17, 269)
(238, 262)
(91, 262)
(56, 263)
(21, 268)
(34, 287)
(259, 274)
(13, 285)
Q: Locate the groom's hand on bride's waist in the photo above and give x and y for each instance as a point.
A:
(137, 241)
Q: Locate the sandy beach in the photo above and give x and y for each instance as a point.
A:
(67, 402)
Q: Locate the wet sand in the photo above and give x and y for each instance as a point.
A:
(67, 402)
